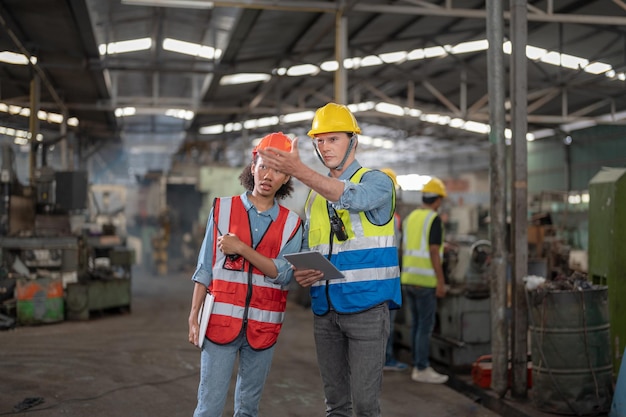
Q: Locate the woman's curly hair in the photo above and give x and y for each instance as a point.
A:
(247, 180)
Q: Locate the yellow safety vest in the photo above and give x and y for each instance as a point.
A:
(417, 268)
(368, 259)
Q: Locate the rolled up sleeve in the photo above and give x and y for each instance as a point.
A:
(374, 194)
(204, 272)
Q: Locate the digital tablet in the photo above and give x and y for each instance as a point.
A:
(314, 260)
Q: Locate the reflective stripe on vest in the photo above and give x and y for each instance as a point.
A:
(417, 268)
(242, 293)
(368, 259)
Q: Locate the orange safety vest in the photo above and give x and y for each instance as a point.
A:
(245, 299)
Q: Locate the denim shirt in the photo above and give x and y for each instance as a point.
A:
(259, 222)
(372, 195)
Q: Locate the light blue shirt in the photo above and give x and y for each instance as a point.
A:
(259, 222)
(372, 195)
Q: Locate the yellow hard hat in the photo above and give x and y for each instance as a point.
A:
(333, 118)
(435, 186)
(392, 175)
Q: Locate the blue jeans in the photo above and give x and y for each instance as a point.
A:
(351, 355)
(216, 368)
(423, 305)
(389, 355)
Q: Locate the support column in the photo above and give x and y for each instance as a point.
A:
(341, 47)
(497, 211)
(33, 126)
(519, 203)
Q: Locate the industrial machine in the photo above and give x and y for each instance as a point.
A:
(463, 329)
(463, 324)
(53, 263)
(607, 246)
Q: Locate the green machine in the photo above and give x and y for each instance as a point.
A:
(607, 248)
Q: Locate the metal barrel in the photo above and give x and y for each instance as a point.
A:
(571, 351)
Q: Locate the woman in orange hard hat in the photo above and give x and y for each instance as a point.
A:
(241, 263)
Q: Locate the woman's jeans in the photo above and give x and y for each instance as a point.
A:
(216, 369)
(351, 356)
(423, 305)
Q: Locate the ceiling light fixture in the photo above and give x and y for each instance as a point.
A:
(186, 4)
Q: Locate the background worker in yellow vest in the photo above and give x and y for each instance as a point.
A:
(422, 276)
(349, 219)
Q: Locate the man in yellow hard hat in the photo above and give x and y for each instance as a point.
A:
(349, 219)
(422, 276)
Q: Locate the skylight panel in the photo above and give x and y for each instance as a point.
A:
(394, 57)
(298, 117)
(15, 58)
(190, 48)
(49, 117)
(371, 60)
(472, 46)
(573, 62)
(244, 78)
(597, 68)
(211, 130)
(330, 66)
(389, 108)
(123, 47)
(304, 69)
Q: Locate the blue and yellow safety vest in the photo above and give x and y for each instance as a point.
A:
(368, 259)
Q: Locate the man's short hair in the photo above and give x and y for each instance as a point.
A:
(430, 198)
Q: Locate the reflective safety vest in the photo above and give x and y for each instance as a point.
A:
(368, 259)
(417, 268)
(245, 300)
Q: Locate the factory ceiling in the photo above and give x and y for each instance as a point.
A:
(416, 72)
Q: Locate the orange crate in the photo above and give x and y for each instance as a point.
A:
(481, 372)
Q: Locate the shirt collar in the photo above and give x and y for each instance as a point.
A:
(349, 172)
(272, 212)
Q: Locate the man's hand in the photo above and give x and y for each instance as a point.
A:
(286, 162)
(441, 290)
(307, 277)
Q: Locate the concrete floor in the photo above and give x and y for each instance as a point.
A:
(141, 364)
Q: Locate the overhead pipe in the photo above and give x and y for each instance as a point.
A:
(547, 16)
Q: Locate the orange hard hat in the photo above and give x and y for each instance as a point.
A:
(273, 140)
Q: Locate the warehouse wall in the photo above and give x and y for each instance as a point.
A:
(553, 165)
